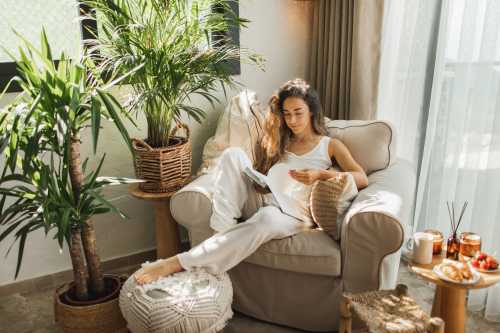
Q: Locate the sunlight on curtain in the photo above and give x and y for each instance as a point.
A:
(406, 69)
(461, 157)
(440, 87)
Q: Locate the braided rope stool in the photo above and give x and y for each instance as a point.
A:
(387, 311)
(185, 302)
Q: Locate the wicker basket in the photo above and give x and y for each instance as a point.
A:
(103, 317)
(165, 169)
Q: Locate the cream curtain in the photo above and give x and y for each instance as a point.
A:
(409, 39)
(345, 56)
(440, 86)
(461, 155)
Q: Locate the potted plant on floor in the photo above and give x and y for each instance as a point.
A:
(171, 42)
(44, 184)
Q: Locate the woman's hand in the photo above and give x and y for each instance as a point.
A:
(305, 176)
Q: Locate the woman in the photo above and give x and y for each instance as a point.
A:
(294, 137)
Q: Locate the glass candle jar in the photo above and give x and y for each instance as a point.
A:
(437, 245)
(470, 244)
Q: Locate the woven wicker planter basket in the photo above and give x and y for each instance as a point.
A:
(165, 169)
(103, 317)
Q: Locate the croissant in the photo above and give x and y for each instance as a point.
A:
(465, 271)
(452, 272)
(457, 271)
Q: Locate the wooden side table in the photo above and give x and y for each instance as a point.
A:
(449, 298)
(167, 234)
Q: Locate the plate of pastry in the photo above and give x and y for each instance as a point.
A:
(456, 272)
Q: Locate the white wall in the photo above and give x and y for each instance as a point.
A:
(280, 31)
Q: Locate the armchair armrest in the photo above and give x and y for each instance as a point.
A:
(191, 207)
(373, 229)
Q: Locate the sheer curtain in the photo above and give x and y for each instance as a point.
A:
(444, 97)
(406, 69)
(461, 156)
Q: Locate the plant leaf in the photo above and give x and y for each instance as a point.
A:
(118, 180)
(95, 110)
(10, 229)
(114, 113)
(46, 52)
(109, 205)
(22, 241)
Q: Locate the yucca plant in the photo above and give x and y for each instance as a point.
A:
(171, 42)
(43, 184)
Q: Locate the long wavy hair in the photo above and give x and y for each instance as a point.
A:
(277, 134)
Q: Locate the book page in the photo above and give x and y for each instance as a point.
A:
(291, 195)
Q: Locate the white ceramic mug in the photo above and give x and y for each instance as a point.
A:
(421, 247)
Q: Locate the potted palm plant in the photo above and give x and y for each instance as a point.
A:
(171, 43)
(44, 184)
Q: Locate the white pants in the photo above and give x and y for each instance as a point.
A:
(234, 242)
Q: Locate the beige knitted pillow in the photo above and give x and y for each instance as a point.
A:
(330, 200)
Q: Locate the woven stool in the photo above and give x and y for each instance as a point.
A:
(192, 301)
(387, 311)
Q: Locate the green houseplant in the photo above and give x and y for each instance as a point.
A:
(44, 184)
(171, 43)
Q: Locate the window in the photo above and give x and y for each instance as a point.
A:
(64, 27)
(60, 18)
(233, 34)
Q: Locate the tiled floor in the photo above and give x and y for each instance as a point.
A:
(21, 313)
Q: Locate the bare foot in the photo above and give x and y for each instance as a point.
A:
(155, 271)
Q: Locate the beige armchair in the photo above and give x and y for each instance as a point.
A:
(298, 281)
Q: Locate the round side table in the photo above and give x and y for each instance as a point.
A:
(449, 298)
(167, 234)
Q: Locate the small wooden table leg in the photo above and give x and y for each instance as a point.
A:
(167, 236)
(345, 316)
(449, 305)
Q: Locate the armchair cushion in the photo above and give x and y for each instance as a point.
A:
(311, 252)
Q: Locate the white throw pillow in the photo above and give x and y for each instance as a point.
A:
(240, 125)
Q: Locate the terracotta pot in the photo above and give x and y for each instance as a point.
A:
(101, 315)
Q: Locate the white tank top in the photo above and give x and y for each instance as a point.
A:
(316, 158)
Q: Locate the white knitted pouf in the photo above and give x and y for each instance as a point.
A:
(186, 302)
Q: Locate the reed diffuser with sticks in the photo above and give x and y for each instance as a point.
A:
(453, 244)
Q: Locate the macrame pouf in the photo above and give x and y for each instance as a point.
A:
(186, 302)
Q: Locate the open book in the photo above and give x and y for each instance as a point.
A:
(289, 193)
